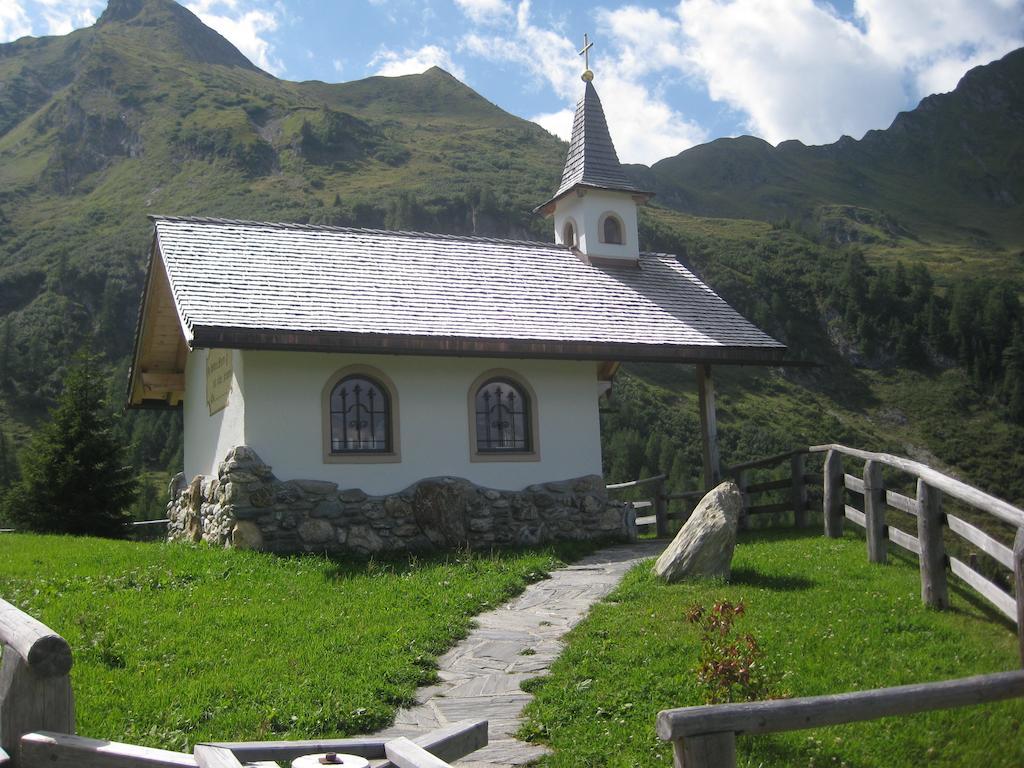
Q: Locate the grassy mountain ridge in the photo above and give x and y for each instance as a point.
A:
(948, 174)
(149, 111)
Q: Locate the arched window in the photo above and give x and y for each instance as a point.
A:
(569, 235)
(504, 422)
(612, 229)
(360, 416)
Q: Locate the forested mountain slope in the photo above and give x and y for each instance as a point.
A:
(149, 111)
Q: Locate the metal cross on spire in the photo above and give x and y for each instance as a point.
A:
(585, 53)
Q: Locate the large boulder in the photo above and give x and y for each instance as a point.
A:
(704, 545)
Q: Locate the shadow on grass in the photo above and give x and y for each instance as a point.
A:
(775, 582)
(778, 533)
(339, 567)
(982, 609)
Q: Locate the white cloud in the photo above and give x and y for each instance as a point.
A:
(798, 70)
(338, 65)
(14, 21)
(936, 42)
(485, 11)
(62, 16)
(558, 123)
(643, 125)
(794, 68)
(245, 27)
(392, 63)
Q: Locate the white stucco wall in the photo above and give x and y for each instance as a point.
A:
(283, 420)
(586, 213)
(208, 438)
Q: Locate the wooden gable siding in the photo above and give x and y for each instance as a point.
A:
(158, 372)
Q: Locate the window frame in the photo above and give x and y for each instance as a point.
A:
(533, 414)
(601, 225)
(383, 381)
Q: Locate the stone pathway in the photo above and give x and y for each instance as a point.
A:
(480, 676)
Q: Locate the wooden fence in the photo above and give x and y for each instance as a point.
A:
(932, 522)
(37, 721)
(798, 486)
(705, 736)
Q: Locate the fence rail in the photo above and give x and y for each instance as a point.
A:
(433, 749)
(928, 541)
(705, 736)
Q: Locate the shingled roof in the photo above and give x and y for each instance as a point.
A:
(240, 284)
(592, 160)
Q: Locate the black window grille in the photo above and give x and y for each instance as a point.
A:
(360, 417)
(502, 418)
(612, 230)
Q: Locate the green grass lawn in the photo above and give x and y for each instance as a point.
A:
(828, 622)
(174, 645)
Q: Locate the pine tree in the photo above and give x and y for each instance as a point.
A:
(73, 475)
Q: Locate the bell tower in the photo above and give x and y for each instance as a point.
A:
(595, 207)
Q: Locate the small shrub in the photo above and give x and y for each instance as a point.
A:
(731, 666)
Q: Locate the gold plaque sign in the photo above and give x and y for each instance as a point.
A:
(218, 379)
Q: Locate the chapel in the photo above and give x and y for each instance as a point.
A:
(366, 390)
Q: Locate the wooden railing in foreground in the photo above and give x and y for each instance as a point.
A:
(35, 687)
(37, 721)
(431, 750)
(705, 736)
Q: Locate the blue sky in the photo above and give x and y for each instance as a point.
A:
(670, 74)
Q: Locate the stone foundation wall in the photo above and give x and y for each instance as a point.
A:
(245, 506)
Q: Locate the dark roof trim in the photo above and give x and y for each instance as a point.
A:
(460, 346)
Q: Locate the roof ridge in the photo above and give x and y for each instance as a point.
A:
(335, 228)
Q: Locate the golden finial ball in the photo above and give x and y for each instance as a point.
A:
(587, 76)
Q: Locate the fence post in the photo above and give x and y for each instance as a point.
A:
(743, 480)
(874, 512)
(798, 491)
(934, 592)
(1018, 579)
(715, 750)
(660, 509)
(833, 495)
(35, 687)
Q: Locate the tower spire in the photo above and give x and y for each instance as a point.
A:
(599, 221)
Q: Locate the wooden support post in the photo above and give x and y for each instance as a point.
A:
(874, 512)
(660, 509)
(743, 481)
(30, 701)
(715, 750)
(798, 491)
(833, 495)
(934, 591)
(35, 687)
(1018, 582)
(708, 427)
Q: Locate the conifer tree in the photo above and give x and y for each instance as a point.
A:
(73, 475)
